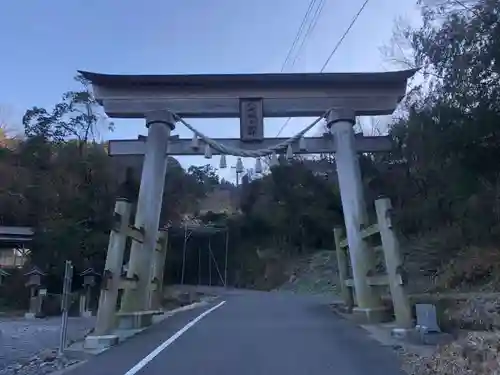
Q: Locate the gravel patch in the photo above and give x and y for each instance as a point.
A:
(44, 363)
(29, 346)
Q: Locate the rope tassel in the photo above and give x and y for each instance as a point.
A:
(222, 163)
(258, 166)
(208, 152)
(194, 142)
(302, 144)
(239, 166)
(274, 160)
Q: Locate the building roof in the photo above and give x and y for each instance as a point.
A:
(15, 234)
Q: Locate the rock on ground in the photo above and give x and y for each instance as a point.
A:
(22, 342)
(44, 363)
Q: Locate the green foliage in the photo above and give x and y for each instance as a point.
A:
(60, 181)
(291, 208)
(444, 170)
(205, 176)
(77, 116)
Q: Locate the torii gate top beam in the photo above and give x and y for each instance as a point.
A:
(219, 95)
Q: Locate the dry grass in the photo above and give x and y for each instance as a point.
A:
(477, 353)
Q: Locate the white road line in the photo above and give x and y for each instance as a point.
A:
(143, 362)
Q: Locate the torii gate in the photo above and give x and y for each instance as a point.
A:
(164, 100)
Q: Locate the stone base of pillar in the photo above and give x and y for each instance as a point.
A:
(343, 308)
(86, 314)
(29, 315)
(100, 342)
(372, 315)
(135, 320)
(402, 333)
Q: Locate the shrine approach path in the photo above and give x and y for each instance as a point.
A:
(249, 333)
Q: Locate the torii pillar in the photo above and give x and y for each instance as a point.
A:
(159, 124)
(341, 122)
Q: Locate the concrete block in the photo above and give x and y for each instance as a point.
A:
(135, 320)
(29, 315)
(371, 315)
(86, 314)
(100, 342)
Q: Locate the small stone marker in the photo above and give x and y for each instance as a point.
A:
(427, 318)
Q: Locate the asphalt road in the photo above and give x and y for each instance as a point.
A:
(252, 333)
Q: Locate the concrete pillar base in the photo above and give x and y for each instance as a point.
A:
(372, 315)
(86, 314)
(29, 315)
(343, 308)
(100, 342)
(135, 320)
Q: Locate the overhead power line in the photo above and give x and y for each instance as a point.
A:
(299, 32)
(339, 43)
(312, 25)
(309, 31)
(334, 50)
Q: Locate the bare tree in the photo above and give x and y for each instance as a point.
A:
(399, 51)
(9, 127)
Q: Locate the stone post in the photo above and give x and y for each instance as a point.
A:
(105, 320)
(37, 292)
(149, 204)
(157, 271)
(340, 123)
(89, 281)
(394, 265)
(343, 267)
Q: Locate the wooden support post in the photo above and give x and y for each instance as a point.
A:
(112, 274)
(157, 271)
(394, 264)
(343, 268)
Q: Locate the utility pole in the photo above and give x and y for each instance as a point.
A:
(65, 305)
(237, 177)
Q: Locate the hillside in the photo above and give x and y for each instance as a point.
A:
(315, 274)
